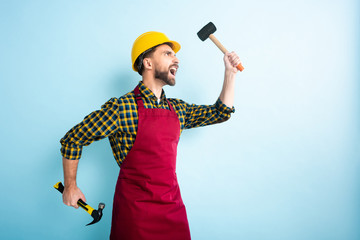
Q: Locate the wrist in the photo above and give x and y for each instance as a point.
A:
(230, 74)
(70, 183)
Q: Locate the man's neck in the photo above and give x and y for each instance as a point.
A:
(154, 85)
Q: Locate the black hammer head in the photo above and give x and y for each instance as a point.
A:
(97, 214)
(205, 32)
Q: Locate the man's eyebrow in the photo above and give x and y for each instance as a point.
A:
(168, 51)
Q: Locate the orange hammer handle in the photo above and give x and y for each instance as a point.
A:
(240, 67)
(223, 49)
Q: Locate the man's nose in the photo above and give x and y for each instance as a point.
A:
(176, 60)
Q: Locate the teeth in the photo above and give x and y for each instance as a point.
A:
(173, 70)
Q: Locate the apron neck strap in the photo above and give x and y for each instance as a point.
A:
(170, 106)
(138, 98)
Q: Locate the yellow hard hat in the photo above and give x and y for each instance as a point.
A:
(148, 40)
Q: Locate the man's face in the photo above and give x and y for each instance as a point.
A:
(165, 64)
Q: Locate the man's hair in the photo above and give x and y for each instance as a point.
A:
(148, 53)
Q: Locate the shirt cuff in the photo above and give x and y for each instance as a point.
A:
(71, 152)
(223, 108)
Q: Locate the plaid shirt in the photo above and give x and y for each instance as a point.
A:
(118, 119)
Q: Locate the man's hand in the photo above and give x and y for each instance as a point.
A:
(231, 60)
(71, 192)
(71, 195)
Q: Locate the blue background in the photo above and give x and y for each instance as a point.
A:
(285, 166)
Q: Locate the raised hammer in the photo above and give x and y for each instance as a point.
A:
(207, 32)
(96, 214)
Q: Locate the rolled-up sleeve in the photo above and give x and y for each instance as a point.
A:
(203, 115)
(95, 126)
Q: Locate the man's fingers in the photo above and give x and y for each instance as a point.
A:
(71, 203)
(75, 205)
(234, 59)
(72, 195)
(83, 198)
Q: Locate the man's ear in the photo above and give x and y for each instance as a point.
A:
(147, 63)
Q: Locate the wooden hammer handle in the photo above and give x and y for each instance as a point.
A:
(223, 49)
(217, 43)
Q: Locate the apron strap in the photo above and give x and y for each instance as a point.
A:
(138, 98)
(170, 106)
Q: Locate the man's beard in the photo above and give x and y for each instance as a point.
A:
(164, 77)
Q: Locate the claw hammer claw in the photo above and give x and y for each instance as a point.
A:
(96, 214)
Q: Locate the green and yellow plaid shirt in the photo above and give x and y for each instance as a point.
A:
(118, 118)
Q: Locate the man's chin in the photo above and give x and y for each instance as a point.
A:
(166, 77)
(170, 80)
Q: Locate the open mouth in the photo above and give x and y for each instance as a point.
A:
(173, 69)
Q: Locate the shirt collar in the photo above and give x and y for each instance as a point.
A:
(147, 93)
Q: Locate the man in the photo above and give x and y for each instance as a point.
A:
(147, 201)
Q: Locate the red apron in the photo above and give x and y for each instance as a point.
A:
(147, 201)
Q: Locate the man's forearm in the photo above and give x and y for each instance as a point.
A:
(227, 92)
(231, 60)
(70, 171)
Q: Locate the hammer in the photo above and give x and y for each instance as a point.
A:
(96, 214)
(207, 32)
